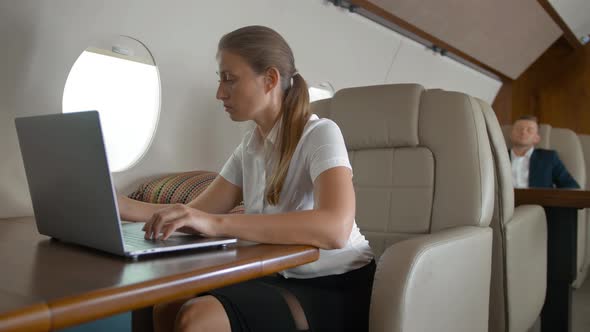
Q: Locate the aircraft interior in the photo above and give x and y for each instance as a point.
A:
(456, 146)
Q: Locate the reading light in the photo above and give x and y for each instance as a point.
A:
(122, 50)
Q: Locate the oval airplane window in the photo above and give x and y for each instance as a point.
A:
(323, 90)
(120, 80)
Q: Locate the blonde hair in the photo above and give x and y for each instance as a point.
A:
(263, 48)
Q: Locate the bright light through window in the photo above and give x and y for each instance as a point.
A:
(323, 91)
(126, 94)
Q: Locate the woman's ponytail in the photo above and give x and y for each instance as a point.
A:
(294, 115)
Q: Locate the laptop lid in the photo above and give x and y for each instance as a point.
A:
(72, 192)
(69, 179)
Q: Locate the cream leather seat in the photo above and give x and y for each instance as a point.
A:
(585, 144)
(568, 147)
(519, 249)
(424, 182)
(567, 144)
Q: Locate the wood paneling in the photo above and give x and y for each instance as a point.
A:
(556, 88)
(503, 103)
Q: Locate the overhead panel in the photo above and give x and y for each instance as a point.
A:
(505, 35)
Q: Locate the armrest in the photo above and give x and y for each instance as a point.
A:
(435, 282)
(525, 254)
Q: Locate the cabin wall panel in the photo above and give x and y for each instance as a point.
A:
(45, 38)
(414, 63)
(502, 104)
(556, 88)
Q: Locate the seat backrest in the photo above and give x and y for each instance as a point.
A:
(519, 243)
(568, 147)
(421, 159)
(499, 140)
(585, 144)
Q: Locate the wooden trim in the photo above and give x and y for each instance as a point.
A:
(376, 10)
(572, 198)
(36, 317)
(81, 308)
(567, 32)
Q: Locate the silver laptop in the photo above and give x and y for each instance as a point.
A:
(72, 192)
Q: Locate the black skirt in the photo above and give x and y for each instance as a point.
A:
(330, 303)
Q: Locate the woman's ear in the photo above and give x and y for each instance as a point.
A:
(272, 78)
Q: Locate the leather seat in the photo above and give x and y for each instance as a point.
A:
(519, 246)
(568, 147)
(424, 182)
(585, 144)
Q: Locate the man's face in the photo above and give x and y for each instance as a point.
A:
(525, 133)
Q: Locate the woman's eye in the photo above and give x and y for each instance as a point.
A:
(225, 77)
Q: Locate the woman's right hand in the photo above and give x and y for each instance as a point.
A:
(180, 217)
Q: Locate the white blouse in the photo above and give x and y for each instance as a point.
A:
(320, 148)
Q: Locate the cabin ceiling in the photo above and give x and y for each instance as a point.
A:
(576, 14)
(505, 35)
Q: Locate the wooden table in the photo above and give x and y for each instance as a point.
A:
(46, 284)
(561, 207)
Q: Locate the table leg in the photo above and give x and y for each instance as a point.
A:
(562, 225)
(141, 320)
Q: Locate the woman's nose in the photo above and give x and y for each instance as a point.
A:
(220, 95)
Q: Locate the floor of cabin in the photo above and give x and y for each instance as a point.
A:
(581, 308)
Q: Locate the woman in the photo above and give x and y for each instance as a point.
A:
(293, 174)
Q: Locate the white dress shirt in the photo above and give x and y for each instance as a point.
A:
(320, 148)
(520, 168)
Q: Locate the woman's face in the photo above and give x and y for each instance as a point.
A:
(242, 91)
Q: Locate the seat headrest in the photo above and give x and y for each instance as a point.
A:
(372, 109)
(568, 147)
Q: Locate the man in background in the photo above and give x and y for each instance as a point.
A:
(533, 167)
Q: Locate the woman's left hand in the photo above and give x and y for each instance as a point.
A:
(179, 217)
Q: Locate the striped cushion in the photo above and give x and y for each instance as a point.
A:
(177, 188)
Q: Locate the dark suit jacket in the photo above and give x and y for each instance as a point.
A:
(547, 171)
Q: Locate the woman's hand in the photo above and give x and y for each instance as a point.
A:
(179, 217)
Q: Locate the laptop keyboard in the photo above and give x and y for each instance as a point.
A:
(135, 240)
(138, 241)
